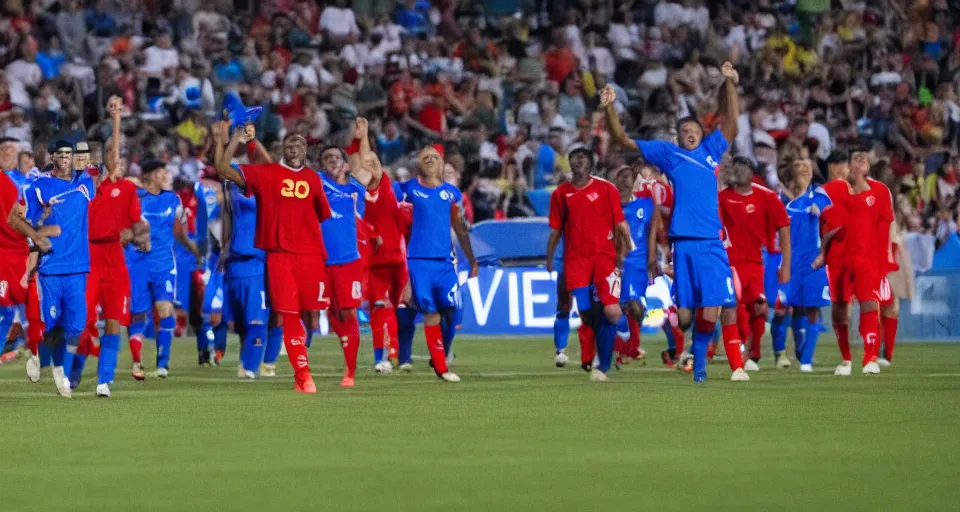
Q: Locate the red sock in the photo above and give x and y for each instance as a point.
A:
(348, 330)
(34, 346)
(757, 325)
(435, 344)
(743, 323)
(294, 339)
(633, 346)
(588, 345)
(870, 331)
(843, 340)
(83, 346)
(680, 338)
(136, 347)
(889, 336)
(35, 335)
(731, 344)
(393, 351)
(379, 326)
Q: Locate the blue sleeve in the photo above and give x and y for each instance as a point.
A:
(34, 199)
(457, 195)
(201, 219)
(821, 199)
(716, 145)
(405, 187)
(658, 153)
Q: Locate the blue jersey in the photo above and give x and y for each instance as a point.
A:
(162, 211)
(639, 216)
(243, 259)
(69, 204)
(397, 191)
(696, 212)
(23, 180)
(430, 233)
(340, 230)
(804, 212)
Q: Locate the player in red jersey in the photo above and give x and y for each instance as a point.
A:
(587, 214)
(747, 211)
(290, 207)
(860, 218)
(889, 297)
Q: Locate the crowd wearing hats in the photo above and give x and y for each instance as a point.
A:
(508, 87)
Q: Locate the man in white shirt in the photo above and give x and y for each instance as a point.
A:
(24, 74)
(338, 22)
(160, 57)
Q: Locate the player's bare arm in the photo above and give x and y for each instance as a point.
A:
(356, 160)
(617, 136)
(462, 229)
(23, 227)
(783, 275)
(553, 241)
(226, 226)
(180, 234)
(730, 100)
(224, 169)
(825, 240)
(141, 235)
(653, 269)
(115, 109)
(623, 241)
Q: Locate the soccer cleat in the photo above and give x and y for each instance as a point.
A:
(304, 384)
(347, 382)
(162, 373)
(218, 358)
(686, 362)
(871, 368)
(560, 360)
(203, 358)
(138, 373)
(33, 369)
(587, 367)
(383, 367)
(597, 376)
(806, 368)
(596, 361)
(783, 362)
(845, 369)
(268, 370)
(883, 362)
(740, 376)
(406, 367)
(450, 377)
(751, 366)
(103, 390)
(62, 382)
(248, 375)
(668, 359)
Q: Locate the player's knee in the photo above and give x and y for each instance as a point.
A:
(684, 319)
(891, 310)
(348, 315)
(111, 327)
(431, 319)
(761, 307)
(563, 314)
(635, 310)
(839, 313)
(164, 309)
(728, 316)
(813, 315)
(215, 319)
(613, 313)
(869, 306)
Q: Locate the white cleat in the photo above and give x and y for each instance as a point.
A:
(162, 373)
(845, 369)
(247, 374)
(560, 359)
(883, 363)
(406, 367)
(597, 376)
(103, 390)
(138, 372)
(806, 368)
(450, 377)
(784, 362)
(62, 382)
(871, 368)
(383, 367)
(268, 370)
(740, 376)
(751, 366)
(33, 369)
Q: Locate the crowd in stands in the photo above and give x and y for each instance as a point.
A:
(508, 86)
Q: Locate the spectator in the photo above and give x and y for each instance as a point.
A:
(161, 58)
(338, 22)
(24, 74)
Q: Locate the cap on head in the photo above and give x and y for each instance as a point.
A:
(83, 147)
(61, 145)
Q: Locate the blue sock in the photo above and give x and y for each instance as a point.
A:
(778, 331)
(204, 337)
(6, 322)
(606, 336)
(448, 325)
(406, 329)
(377, 355)
(76, 372)
(56, 355)
(671, 341)
(254, 345)
(798, 326)
(309, 334)
(69, 347)
(274, 342)
(107, 365)
(701, 341)
(149, 328)
(165, 341)
(45, 355)
(561, 330)
(220, 338)
(810, 341)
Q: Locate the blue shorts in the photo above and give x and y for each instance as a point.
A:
(633, 283)
(182, 295)
(213, 294)
(245, 300)
(808, 290)
(63, 302)
(148, 288)
(702, 274)
(434, 284)
(771, 281)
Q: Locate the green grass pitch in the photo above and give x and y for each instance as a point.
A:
(516, 434)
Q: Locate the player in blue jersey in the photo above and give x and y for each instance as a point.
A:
(808, 289)
(430, 255)
(155, 284)
(703, 276)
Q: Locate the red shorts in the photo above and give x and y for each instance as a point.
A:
(296, 282)
(751, 281)
(601, 272)
(854, 280)
(109, 287)
(344, 283)
(33, 301)
(886, 293)
(12, 270)
(387, 283)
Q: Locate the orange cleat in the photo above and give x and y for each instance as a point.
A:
(138, 372)
(218, 358)
(304, 385)
(347, 382)
(711, 350)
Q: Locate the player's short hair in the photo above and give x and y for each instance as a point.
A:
(578, 150)
(293, 135)
(838, 156)
(742, 160)
(689, 119)
(328, 147)
(151, 165)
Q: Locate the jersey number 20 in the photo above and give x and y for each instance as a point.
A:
(299, 189)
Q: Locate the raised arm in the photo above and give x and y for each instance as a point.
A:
(222, 164)
(731, 102)
(617, 136)
(115, 109)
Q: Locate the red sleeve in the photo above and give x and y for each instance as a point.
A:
(254, 176)
(558, 210)
(365, 230)
(613, 196)
(8, 197)
(777, 212)
(320, 203)
(134, 213)
(405, 219)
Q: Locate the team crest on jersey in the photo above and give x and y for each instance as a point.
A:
(115, 192)
(444, 195)
(871, 200)
(751, 208)
(592, 196)
(53, 311)
(640, 213)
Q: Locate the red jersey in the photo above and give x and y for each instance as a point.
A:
(291, 205)
(870, 214)
(747, 220)
(382, 213)
(12, 243)
(188, 198)
(116, 207)
(835, 217)
(586, 217)
(663, 197)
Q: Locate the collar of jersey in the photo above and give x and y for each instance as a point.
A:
(295, 169)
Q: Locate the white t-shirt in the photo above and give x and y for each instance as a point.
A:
(22, 133)
(886, 78)
(654, 77)
(299, 75)
(156, 59)
(338, 22)
(605, 63)
(20, 75)
(622, 41)
(822, 134)
(669, 14)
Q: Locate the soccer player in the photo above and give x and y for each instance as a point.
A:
(643, 217)
(587, 214)
(861, 212)
(430, 258)
(113, 213)
(747, 209)
(154, 284)
(702, 269)
(808, 289)
(291, 205)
